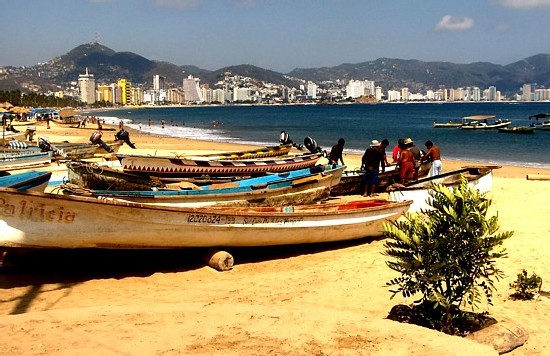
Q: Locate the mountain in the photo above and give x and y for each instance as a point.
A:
(108, 66)
(419, 76)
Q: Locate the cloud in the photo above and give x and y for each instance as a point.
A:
(177, 4)
(523, 4)
(452, 23)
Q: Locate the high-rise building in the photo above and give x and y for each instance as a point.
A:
(191, 90)
(126, 91)
(86, 83)
(159, 82)
(312, 90)
(526, 96)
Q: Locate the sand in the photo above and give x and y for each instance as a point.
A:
(299, 300)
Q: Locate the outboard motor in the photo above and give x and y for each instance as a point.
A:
(311, 145)
(95, 138)
(123, 135)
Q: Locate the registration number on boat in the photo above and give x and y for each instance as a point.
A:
(210, 219)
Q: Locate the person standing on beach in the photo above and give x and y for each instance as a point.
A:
(417, 152)
(336, 153)
(406, 161)
(370, 162)
(382, 148)
(433, 154)
(149, 122)
(162, 123)
(396, 150)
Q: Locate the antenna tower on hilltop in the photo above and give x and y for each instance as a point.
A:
(97, 37)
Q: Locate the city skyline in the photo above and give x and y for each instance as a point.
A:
(278, 35)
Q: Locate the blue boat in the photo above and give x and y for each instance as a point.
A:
(31, 180)
(264, 190)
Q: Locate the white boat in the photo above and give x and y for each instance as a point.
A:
(479, 177)
(481, 122)
(42, 220)
(23, 159)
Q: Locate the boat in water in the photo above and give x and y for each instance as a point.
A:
(448, 124)
(522, 130)
(481, 122)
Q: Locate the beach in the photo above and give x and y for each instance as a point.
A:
(298, 300)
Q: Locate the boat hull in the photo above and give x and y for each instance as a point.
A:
(479, 178)
(39, 220)
(24, 159)
(176, 167)
(353, 182)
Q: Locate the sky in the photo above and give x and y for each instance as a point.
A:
(279, 35)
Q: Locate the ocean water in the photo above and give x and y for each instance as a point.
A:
(357, 124)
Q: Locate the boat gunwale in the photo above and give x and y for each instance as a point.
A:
(310, 210)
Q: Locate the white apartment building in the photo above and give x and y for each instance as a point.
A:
(86, 83)
(242, 94)
(191, 90)
(358, 88)
(394, 95)
(312, 90)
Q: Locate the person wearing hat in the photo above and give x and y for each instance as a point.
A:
(406, 161)
(370, 162)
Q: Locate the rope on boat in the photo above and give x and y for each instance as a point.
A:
(75, 189)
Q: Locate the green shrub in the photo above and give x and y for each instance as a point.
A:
(446, 255)
(526, 287)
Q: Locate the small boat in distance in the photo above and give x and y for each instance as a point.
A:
(448, 124)
(481, 122)
(518, 130)
(542, 125)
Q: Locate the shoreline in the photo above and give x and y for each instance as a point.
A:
(154, 143)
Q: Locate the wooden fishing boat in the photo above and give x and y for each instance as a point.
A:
(41, 220)
(162, 166)
(23, 159)
(352, 182)
(481, 122)
(94, 176)
(31, 180)
(262, 152)
(479, 177)
(518, 130)
(74, 151)
(263, 190)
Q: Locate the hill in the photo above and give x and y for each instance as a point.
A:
(108, 66)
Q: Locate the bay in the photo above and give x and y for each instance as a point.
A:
(358, 124)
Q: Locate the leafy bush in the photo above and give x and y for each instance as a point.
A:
(447, 254)
(526, 287)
